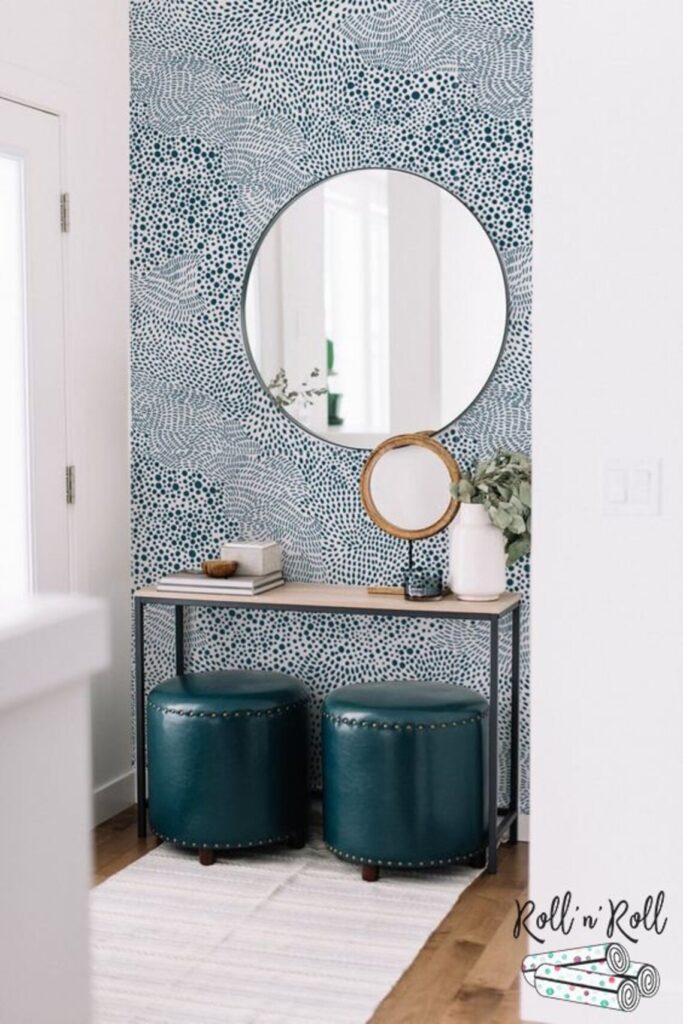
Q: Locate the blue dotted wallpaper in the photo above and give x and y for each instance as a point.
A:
(238, 105)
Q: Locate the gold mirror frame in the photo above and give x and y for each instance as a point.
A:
(421, 440)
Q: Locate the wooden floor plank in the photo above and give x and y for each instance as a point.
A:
(507, 1011)
(116, 845)
(499, 964)
(466, 973)
(430, 984)
(473, 1006)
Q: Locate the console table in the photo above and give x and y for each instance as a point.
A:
(337, 600)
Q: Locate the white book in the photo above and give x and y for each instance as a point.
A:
(189, 588)
(197, 580)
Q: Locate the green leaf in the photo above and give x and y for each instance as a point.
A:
(518, 548)
(517, 525)
(463, 490)
(499, 517)
(525, 493)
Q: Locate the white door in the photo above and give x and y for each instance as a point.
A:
(34, 545)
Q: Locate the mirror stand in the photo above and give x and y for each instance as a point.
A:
(419, 584)
(380, 589)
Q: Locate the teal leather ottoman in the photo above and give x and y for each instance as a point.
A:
(227, 760)
(404, 775)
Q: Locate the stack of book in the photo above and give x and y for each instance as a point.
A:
(259, 569)
(194, 581)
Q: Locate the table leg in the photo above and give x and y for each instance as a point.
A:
(179, 640)
(492, 863)
(514, 732)
(140, 759)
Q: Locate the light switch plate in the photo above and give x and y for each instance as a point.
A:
(632, 487)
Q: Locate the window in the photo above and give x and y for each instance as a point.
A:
(357, 297)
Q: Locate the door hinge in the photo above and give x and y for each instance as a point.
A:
(65, 212)
(70, 485)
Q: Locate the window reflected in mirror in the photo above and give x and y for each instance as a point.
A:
(375, 305)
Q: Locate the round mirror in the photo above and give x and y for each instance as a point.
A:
(405, 486)
(375, 304)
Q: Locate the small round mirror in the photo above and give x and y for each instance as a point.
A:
(375, 304)
(405, 486)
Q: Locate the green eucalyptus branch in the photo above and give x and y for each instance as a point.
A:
(285, 395)
(503, 485)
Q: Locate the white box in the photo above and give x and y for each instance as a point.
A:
(254, 558)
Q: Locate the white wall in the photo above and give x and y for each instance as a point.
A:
(472, 308)
(414, 287)
(71, 58)
(607, 607)
(303, 322)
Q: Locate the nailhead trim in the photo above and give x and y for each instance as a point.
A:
(405, 863)
(270, 713)
(271, 841)
(407, 726)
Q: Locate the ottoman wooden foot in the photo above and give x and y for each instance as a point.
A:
(478, 860)
(297, 842)
(370, 872)
(207, 857)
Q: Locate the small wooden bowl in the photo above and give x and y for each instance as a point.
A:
(218, 568)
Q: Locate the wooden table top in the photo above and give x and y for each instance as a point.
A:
(330, 597)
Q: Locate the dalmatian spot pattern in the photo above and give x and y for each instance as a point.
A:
(236, 107)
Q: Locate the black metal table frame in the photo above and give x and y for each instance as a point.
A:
(501, 820)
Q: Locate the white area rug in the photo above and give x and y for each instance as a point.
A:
(277, 937)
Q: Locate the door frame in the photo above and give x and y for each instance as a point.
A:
(32, 137)
(99, 527)
(50, 97)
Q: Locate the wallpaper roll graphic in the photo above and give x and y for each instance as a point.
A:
(645, 976)
(571, 985)
(611, 954)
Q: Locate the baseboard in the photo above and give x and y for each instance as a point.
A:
(113, 796)
(523, 828)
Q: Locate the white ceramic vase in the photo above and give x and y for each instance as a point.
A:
(477, 555)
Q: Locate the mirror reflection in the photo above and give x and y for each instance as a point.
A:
(410, 488)
(375, 305)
